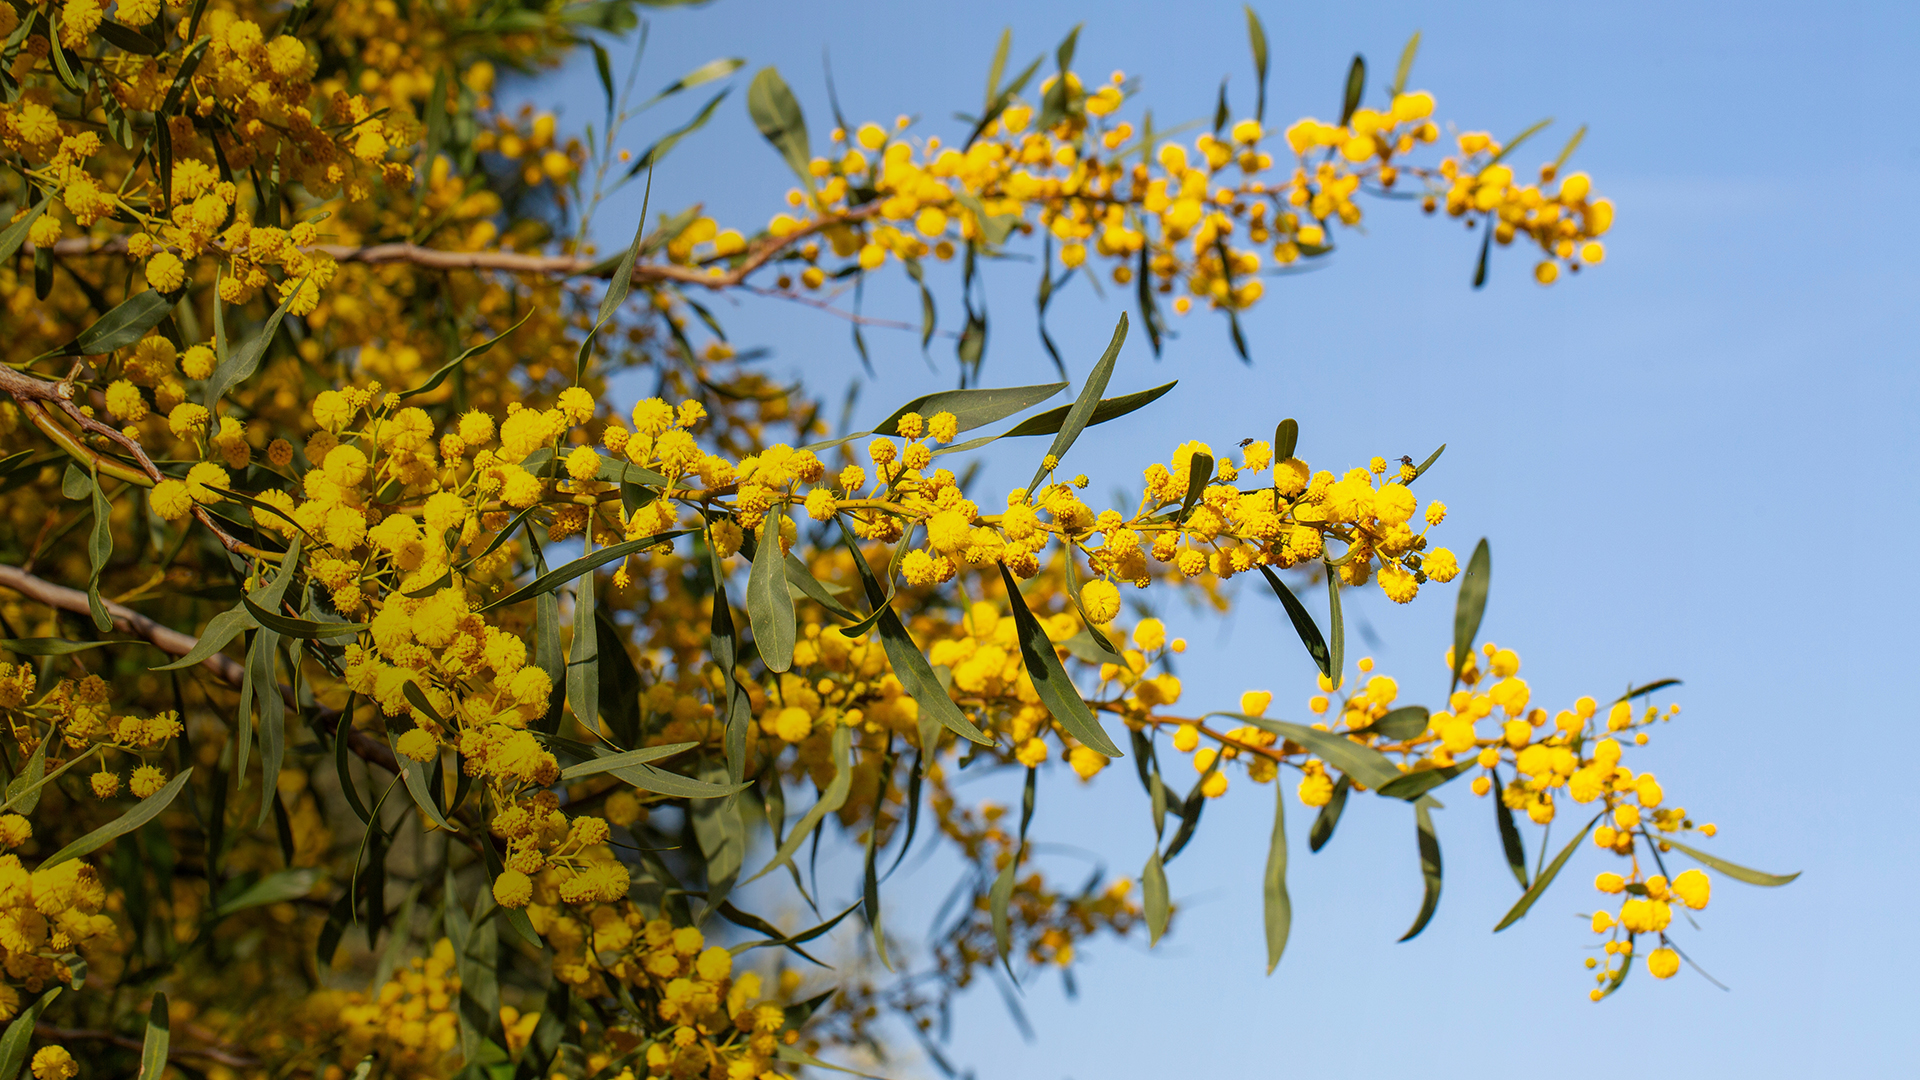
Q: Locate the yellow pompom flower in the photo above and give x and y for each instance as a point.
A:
(146, 780)
(512, 889)
(105, 784)
(1663, 963)
(1692, 888)
(1101, 600)
(165, 271)
(1086, 761)
(417, 744)
(54, 1063)
(170, 499)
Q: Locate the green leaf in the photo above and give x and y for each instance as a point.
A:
(1405, 69)
(583, 660)
(1050, 681)
(244, 361)
(220, 630)
(277, 887)
(1469, 608)
(622, 760)
(972, 408)
(99, 553)
(1199, 473)
(300, 628)
(1051, 421)
(1642, 691)
(433, 382)
(1153, 885)
(15, 234)
(25, 788)
(1363, 763)
(1510, 845)
(1406, 722)
(1081, 412)
(1480, 267)
(1567, 150)
(778, 116)
(1286, 438)
(769, 604)
(127, 323)
(870, 890)
(1337, 651)
(1303, 623)
(553, 579)
(700, 76)
(1514, 144)
(1732, 870)
(1329, 816)
(1278, 907)
(775, 937)
(831, 800)
(1257, 38)
(1428, 464)
(147, 809)
(1546, 877)
(1356, 85)
(153, 1051)
(910, 665)
(13, 1045)
(1413, 785)
(47, 646)
(794, 1055)
(1429, 845)
(1054, 107)
(661, 147)
(265, 685)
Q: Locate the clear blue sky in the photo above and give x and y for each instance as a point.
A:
(1696, 461)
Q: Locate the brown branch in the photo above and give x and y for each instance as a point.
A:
(175, 643)
(758, 254)
(214, 1054)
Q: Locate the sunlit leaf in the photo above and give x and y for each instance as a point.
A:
(1303, 624)
(146, 810)
(1050, 680)
(1082, 409)
(1732, 870)
(1469, 608)
(777, 114)
(1159, 907)
(831, 799)
(769, 604)
(1429, 845)
(1277, 906)
(1546, 877)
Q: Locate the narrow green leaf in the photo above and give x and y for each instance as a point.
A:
(1257, 38)
(583, 660)
(15, 234)
(1638, 691)
(1278, 906)
(1421, 470)
(1356, 85)
(1429, 845)
(870, 891)
(1303, 623)
(99, 553)
(127, 323)
(277, 887)
(220, 630)
(909, 664)
(1411, 786)
(622, 760)
(1199, 473)
(19, 1036)
(1050, 680)
(1406, 722)
(1051, 421)
(661, 147)
(1337, 625)
(972, 408)
(46, 646)
(273, 716)
(1082, 410)
(1480, 267)
(1363, 763)
(23, 794)
(1732, 870)
(769, 604)
(1329, 817)
(1153, 885)
(553, 579)
(300, 628)
(439, 376)
(1514, 144)
(146, 810)
(1510, 845)
(1567, 150)
(831, 800)
(1469, 608)
(1405, 68)
(1546, 877)
(153, 1050)
(700, 76)
(244, 361)
(777, 114)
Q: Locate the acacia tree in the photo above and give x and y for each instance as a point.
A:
(384, 701)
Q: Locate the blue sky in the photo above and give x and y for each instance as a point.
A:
(1696, 461)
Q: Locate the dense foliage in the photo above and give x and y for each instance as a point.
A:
(381, 700)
